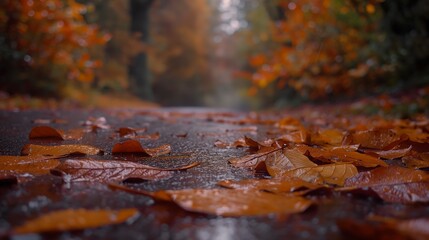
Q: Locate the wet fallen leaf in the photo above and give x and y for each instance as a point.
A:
(277, 163)
(299, 136)
(394, 153)
(270, 185)
(328, 136)
(61, 150)
(127, 132)
(134, 146)
(236, 203)
(329, 173)
(406, 193)
(50, 132)
(108, 170)
(377, 138)
(413, 162)
(75, 219)
(387, 176)
(34, 165)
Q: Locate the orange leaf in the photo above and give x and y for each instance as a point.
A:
(34, 165)
(236, 203)
(61, 150)
(50, 132)
(75, 219)
(269, 185)
(387, 176)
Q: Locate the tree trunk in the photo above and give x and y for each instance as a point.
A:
(139, 74)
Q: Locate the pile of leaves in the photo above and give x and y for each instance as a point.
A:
(305, 157)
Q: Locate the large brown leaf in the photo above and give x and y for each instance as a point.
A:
(227, 202)
(329, 173)
(269, 185)
(50, 132)
(236, 203)
(387, 176)
(281, 161)
(109, 170)
(134, 146)
(75, 219)
(61, 150)
(379, 138)
(414, 192)
(394, 153)
(34, 165)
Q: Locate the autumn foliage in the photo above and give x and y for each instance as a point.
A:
(47, 41)
(324, 48)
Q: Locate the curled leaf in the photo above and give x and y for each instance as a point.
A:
(61, 150)
(75, 219)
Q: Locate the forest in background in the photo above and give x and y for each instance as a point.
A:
(233, 53)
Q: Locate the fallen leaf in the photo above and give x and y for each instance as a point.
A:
(34, 165)
(391, 175)
(127, 132)
(336, 173)
(108, 170)
(61, 150)
(413, 162)
(328, 136)
(50, 132)
(182, 135)
(236, 203)
(378, 138)
(299, 136)
(221, 144)
(394, 153)
(358, 229)
(134, 146)
(281, 161)
(75, 219)
(406, 193)
(269, 185)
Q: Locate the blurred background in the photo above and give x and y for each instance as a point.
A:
(243, 54)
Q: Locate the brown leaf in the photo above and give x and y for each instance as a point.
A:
(377, 138)
(394, 153)
(299, 136)
(328, 136)
(281, 161)
(61, 150)
(329, 173)
(96, 123)
(236, 203)
(134, 146)
(127, 132)
(413, 162)
(406, 193)
(109, 170)
(50, 132)
(387, 176)
(75, 219)
(153, 136)
(269, 185)
(34, 165)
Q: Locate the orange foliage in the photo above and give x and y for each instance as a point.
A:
(319, 52)
(52, 33)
